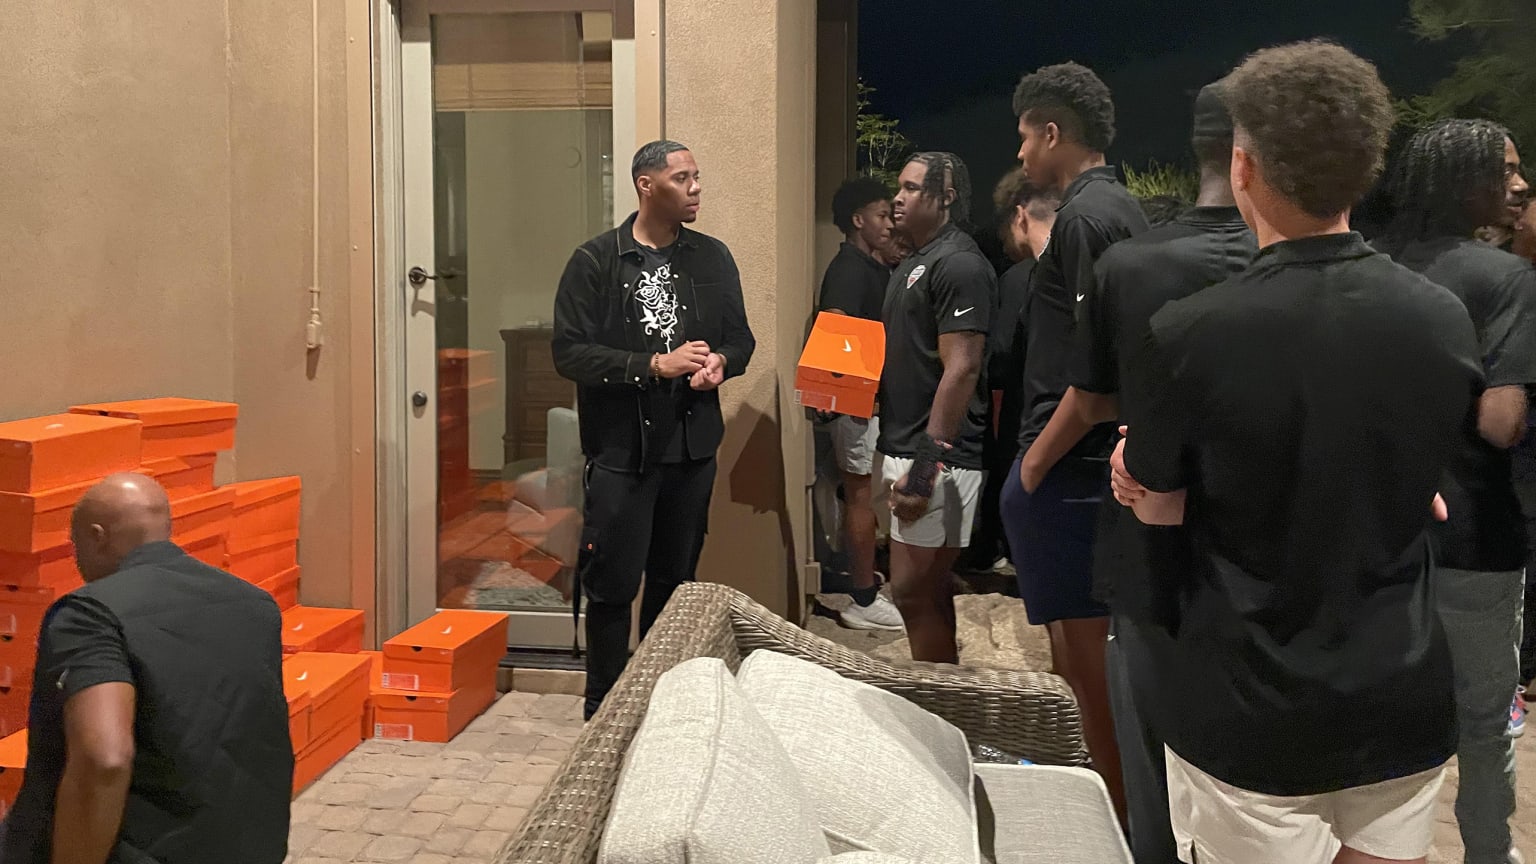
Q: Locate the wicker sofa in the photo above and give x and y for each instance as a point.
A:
(1028, 713)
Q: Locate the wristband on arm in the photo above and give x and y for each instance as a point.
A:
(926, 466)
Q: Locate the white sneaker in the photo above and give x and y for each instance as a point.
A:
(879, 615)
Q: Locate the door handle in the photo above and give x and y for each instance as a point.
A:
(419, 399)
(418, 277)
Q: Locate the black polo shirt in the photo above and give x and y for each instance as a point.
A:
(854, 282)
(1132, 280)
(1095, 213)
(947, 286)
(213, 763)
(1308, 406)
(1485, 531)
(1005, 350)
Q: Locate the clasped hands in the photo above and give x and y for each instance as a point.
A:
(704, 368)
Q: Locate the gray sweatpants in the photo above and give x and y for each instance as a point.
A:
(1481, 613)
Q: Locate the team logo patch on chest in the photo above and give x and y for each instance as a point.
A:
(916, 274)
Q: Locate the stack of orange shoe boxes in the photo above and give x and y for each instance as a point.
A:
(46, 466)
(337, 689)
(13, 762)
(181, 438)
(438, 676)
(265, 536)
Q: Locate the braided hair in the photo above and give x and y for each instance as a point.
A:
(947, 171)
(1449, 181)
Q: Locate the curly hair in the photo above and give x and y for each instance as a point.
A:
(1072, 97)
(1015, 190)
(1448, 182)
(853, 196)
(946, 170)
(1317, 118)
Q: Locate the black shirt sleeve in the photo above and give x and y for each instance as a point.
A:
(1509, 331)
(1095, 363)
(579, 321)
(738, 343)
(843, 287)
(964, 292)
(1159, 438)
(81, 646)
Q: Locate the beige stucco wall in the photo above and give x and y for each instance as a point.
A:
(740, 110)
(157, 230)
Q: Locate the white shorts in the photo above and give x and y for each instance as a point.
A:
(951, 510)
(1218, 823)
(853, 443)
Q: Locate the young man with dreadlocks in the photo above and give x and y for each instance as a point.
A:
(1297, 419)
(1051, 499)
(1132, 562)
(933, 396)
(1453, 178)
(854, 285)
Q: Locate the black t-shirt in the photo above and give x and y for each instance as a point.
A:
(1308, 407)
(656, 298)
(947, 286)
(1132, 280)
(855, 283)
(1096, 212)
(213, 764)
(1005, 349)
(1485, 531)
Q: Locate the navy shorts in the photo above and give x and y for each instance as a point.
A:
(1051, 537)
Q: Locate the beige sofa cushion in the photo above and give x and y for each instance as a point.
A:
(865, 858)
(706, 782)
(1039, 814)
(886, 776)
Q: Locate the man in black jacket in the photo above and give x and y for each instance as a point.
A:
(649, 321)
(158, 729)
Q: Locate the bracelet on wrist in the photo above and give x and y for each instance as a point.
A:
(655, 365)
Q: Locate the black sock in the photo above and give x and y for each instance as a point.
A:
(865, 596)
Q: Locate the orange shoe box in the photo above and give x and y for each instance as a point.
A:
(198, 517)
(300, 707)
(43, 453)
(256, 564)
(283, 587)
(447, 652)
(18, 657)
(316, 628)
(375, 682)
(266, 510)
(174, 426)
(14, 702)
(52, 567)
(337, 686)
(840, 368)
(31, 522)
(213, 551)
(13, 764)
(183, 476)
(323, 753)
(22, 608)
(404, 716)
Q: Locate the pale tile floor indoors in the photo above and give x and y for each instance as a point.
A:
(434, 804)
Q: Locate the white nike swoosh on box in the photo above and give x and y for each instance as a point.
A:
(959, 312)
(847, 346)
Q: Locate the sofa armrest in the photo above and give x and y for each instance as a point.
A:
(1039, 814)
(1032, 714)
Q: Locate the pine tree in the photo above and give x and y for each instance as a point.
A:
(882, 149)
(1496, 78)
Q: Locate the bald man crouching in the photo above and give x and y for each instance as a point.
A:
(158, 731)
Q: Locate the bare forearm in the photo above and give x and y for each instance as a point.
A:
(88, 813)
(1160, 508)
(1095, 408)
(1501, 416)
(951, 400)
(1067, 426)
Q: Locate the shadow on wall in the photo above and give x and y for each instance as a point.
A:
(757, 481)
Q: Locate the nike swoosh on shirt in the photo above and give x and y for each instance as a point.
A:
(1080, 297)
(959, 312)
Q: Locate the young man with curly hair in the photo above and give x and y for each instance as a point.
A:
(1454, 177)
(933, 396)
(1051, 497)
(1297, 422)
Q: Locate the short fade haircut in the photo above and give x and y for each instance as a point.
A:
(1162, 209)
(1447, 181)
(653, 157)
(1072, 97)
(1316, 118)
(946, 170)
(853, 196)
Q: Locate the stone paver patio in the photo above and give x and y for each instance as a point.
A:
(425, 803)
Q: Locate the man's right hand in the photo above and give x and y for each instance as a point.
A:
(686, 359)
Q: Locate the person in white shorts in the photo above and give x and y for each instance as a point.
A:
(934, 402)
(854, 285)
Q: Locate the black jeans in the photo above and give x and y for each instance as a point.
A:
(1526, 490)
(1141, 751)
(651, 523)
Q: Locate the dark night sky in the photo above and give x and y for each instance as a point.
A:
(949, 75)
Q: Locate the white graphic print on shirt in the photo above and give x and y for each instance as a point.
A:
(658, 304)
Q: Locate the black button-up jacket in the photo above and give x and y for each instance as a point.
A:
(600, 343)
